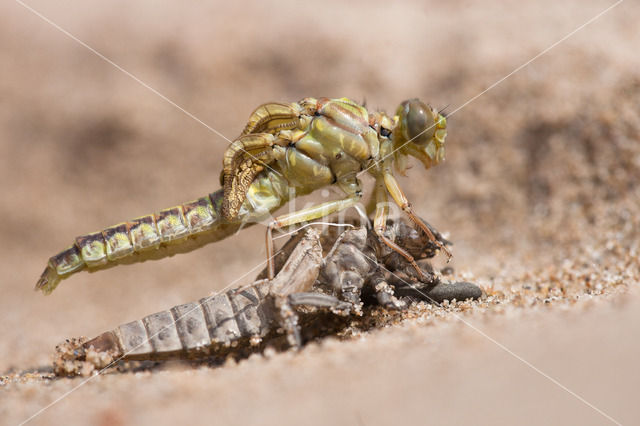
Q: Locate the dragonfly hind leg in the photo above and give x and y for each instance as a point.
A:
(305, 215)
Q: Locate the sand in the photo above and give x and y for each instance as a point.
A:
(538, 194)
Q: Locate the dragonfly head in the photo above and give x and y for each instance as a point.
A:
(420, 132)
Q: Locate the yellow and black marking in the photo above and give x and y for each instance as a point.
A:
(139, 237)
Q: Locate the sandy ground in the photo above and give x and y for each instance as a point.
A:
(539, 194)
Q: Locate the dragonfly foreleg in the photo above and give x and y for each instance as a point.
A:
(401, 200)
(380, 224)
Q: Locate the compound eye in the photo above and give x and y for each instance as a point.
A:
(385, 132)
(420, 121)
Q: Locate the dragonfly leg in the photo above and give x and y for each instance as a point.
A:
(380, 225)
(304, 215)
(401, 200)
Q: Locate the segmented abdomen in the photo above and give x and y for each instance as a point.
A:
(193, 329)
(138, 236)
(174, 230)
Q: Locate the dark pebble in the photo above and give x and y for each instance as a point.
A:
(443, 291)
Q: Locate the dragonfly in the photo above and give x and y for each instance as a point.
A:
(286, 150)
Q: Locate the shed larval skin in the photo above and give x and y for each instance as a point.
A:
(285, 150)
(357, 269)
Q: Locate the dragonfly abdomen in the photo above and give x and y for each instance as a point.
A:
(170, 231)
(139, 239)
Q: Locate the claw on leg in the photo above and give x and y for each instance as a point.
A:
(409, 211)
(401, 200)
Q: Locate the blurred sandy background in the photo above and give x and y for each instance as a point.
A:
(539, 189)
